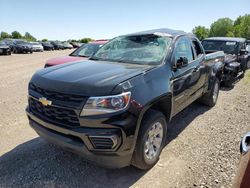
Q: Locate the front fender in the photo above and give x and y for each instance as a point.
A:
(146, 90)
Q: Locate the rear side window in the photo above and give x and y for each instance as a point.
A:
(183, 49)
(197, 48)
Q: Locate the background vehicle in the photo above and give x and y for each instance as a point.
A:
(57, 45)
(67, 45)
(248, 49)
(21, 46)
(114, 108)
(47, 46)
(36, 47)
(75, 44)
(236, 56)
(242, 179)
(9, 42)
(84, 52)
(4, 49)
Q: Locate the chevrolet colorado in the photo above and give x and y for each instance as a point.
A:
(115, 107)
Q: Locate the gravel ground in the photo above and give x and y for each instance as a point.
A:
(202, 148)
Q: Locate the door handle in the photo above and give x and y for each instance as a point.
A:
(196, 69)
(245, 143)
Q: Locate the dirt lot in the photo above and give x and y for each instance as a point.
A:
(202, 148)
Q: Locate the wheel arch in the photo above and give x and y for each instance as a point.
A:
(162, 104)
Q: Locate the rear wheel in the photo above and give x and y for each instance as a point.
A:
(248, 63)
(150, 141)
(228, 83)
(211, 97)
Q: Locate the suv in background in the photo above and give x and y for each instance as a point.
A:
(36, 47)
(236, 59)
(57, 45)
(47, 46)
(21, 46)
(4, 49)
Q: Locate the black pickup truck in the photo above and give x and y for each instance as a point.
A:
(114, 108)
(236, 58)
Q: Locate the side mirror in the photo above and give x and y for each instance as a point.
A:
(243, 52)
(181, 62)
(245, 144)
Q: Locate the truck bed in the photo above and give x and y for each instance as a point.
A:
(214, 55)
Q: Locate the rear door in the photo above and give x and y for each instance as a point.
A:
(186, 79)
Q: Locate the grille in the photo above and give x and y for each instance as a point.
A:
(103, 142)
(57, 96)
(55, 115)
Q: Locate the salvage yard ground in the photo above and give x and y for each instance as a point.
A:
(202, 148)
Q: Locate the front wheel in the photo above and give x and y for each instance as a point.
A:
(150, 141)
(211, 97)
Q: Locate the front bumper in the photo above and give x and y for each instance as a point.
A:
(78, 141)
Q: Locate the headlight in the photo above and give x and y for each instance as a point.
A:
(106, 104)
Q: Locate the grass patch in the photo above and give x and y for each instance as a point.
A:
(246, 79)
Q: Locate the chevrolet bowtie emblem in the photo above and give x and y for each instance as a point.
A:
(45, 102)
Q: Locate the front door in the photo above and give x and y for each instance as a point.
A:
(185, 78)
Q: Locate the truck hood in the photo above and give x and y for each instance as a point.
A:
(88, 78)
(62, 60)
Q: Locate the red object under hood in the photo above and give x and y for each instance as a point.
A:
(64, 59)
(76, 55)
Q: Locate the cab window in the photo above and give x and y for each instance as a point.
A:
(183, 49)
(197, 48)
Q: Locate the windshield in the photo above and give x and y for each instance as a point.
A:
(86, 50)
(228, 47)
(142, 49)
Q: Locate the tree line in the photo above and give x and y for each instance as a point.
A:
(17, 35)
(27, 36)
(225, 27)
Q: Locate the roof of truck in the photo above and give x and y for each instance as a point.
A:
(231, 39)
(162, 31)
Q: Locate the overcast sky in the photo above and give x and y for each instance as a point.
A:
(65, 19)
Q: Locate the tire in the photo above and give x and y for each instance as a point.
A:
(242, 75)
(211, 97)
(155, 124)
(248, 64)
(228, 83)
